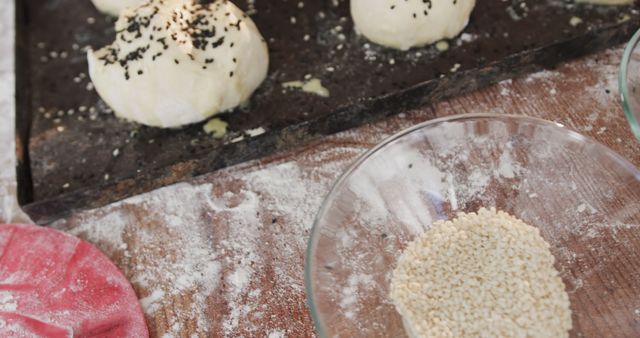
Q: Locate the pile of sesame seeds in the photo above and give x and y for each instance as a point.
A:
(481, 274)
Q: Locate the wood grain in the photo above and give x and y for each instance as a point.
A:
(582, 95)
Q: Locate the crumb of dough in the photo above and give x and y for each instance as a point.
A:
(482, 274)
(574, 21)
(312, 86)
(216, 127)
(442, 45)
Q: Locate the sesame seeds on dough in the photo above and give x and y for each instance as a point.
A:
(177, 62)
(403, 24)
(482, 274)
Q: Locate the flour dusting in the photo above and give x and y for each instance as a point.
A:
(277, 334)
(7, 302)
(226, 247)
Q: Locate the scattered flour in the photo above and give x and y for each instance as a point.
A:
(218, 241)
(349, 300)
(151, 303)
(543, 75)
(7, 302)
(277, 334)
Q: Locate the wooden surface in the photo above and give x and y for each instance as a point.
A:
(259, 286)
(69, 162)
(223, 254)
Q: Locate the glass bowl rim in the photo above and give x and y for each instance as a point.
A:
(317, 320)
(622, 84)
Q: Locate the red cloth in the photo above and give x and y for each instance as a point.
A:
(56, 285)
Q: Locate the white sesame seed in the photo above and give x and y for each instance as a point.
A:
(519, 268)
(91, 20)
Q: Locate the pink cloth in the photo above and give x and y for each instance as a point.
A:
(56, 285)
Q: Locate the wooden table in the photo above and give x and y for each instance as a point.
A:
(223, 255)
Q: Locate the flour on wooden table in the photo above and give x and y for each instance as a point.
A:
(277, 334)
(7, 302)
(215, 240)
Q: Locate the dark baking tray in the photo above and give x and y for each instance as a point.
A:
(67, 162)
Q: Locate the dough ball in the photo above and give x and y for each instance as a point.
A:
(179, 62)
(403, 24)
(114, 7)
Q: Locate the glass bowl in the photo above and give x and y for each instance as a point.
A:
(629, 83)
(584, 198)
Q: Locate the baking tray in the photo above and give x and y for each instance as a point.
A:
(73, 154)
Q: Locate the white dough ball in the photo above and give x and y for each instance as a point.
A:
(403, 24)
(179, 62)
(114, 7)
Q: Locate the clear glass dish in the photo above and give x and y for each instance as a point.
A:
(583, 197)
(629, 83)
